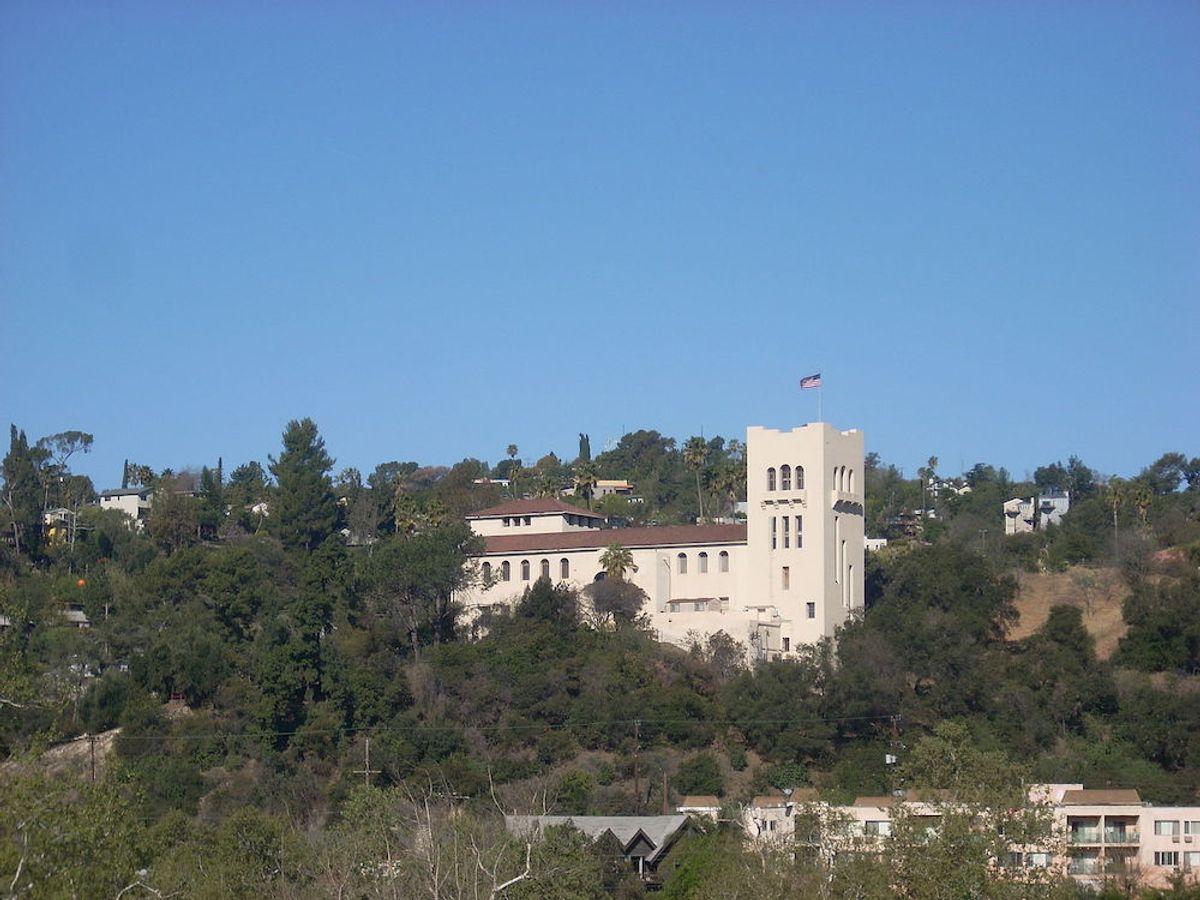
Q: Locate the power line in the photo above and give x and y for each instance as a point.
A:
(609, 724)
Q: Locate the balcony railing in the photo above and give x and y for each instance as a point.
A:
(1085, 836)
(1083, 867)
(1120, 836)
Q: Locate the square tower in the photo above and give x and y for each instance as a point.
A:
(804, 522)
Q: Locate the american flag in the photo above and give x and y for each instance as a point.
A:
(810, 381)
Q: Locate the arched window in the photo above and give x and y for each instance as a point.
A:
(682, 563)
(723, 561)
(564, 568)
(545, 568)
(771, 478)
(702, 562)
(487, 571)
(505, 571)
(837, 486)
(850, 482)
(785, 478)
(799, 478)
(524, 570)
(842, 479)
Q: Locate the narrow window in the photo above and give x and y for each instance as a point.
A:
(787, 532)
(723, 561)
(786, 581)
(702, 562)
(771, 479)
(773, 532)
(841, 479)
(545, 568)
(785, 478)
(799, 478)
(810, 609)
(787, 644)
(682, 563)
(487, 571)
(850, 482)
(564, 568)
(506, 571)
(524, 570)
(799, 529)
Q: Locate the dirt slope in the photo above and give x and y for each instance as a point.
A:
(1098, 592)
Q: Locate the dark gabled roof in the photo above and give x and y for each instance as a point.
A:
(124, 492)
(651, 536)
(533, 506)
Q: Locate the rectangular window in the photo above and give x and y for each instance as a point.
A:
(786, 580)
(724, 604)
(787, 644)
(1192, 827)
(774, 523)
(1166, 827)
(1167, 858)
(799, 536)
(879, 828)
(506, 521)
(787, 533)
(701, 606)
(1191, 860)
(810, 609)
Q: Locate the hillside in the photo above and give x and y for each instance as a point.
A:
(1098, 592)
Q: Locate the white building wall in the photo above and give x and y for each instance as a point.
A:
(825, 566)
(820, 547)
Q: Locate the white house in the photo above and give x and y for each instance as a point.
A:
(134, 502)
(790, 575)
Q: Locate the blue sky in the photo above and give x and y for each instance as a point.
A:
(441, 228)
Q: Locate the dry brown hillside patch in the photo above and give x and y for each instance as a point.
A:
(1099, 593)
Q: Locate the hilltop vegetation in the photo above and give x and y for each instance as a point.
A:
(294, 637)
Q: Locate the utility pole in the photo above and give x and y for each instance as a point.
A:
(637, 746)
(366, 771)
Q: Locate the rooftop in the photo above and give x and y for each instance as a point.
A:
(533, 506)
(659, 830)
(651, 536)
(1102, 797)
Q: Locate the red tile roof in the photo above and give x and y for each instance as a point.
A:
(592, 538)
(533, 506)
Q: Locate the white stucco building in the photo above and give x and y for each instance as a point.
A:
(134, 502)
(790, 575)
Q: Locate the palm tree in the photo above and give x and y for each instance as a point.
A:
(730, 480)
(695, 452)
(586, 474)
(1116, 497)
(617, 560)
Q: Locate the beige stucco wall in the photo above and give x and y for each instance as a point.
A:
(827, 568)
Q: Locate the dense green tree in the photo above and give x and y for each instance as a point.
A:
(411, 579)
(1164, 626)
(304, 510)
(21, 494)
